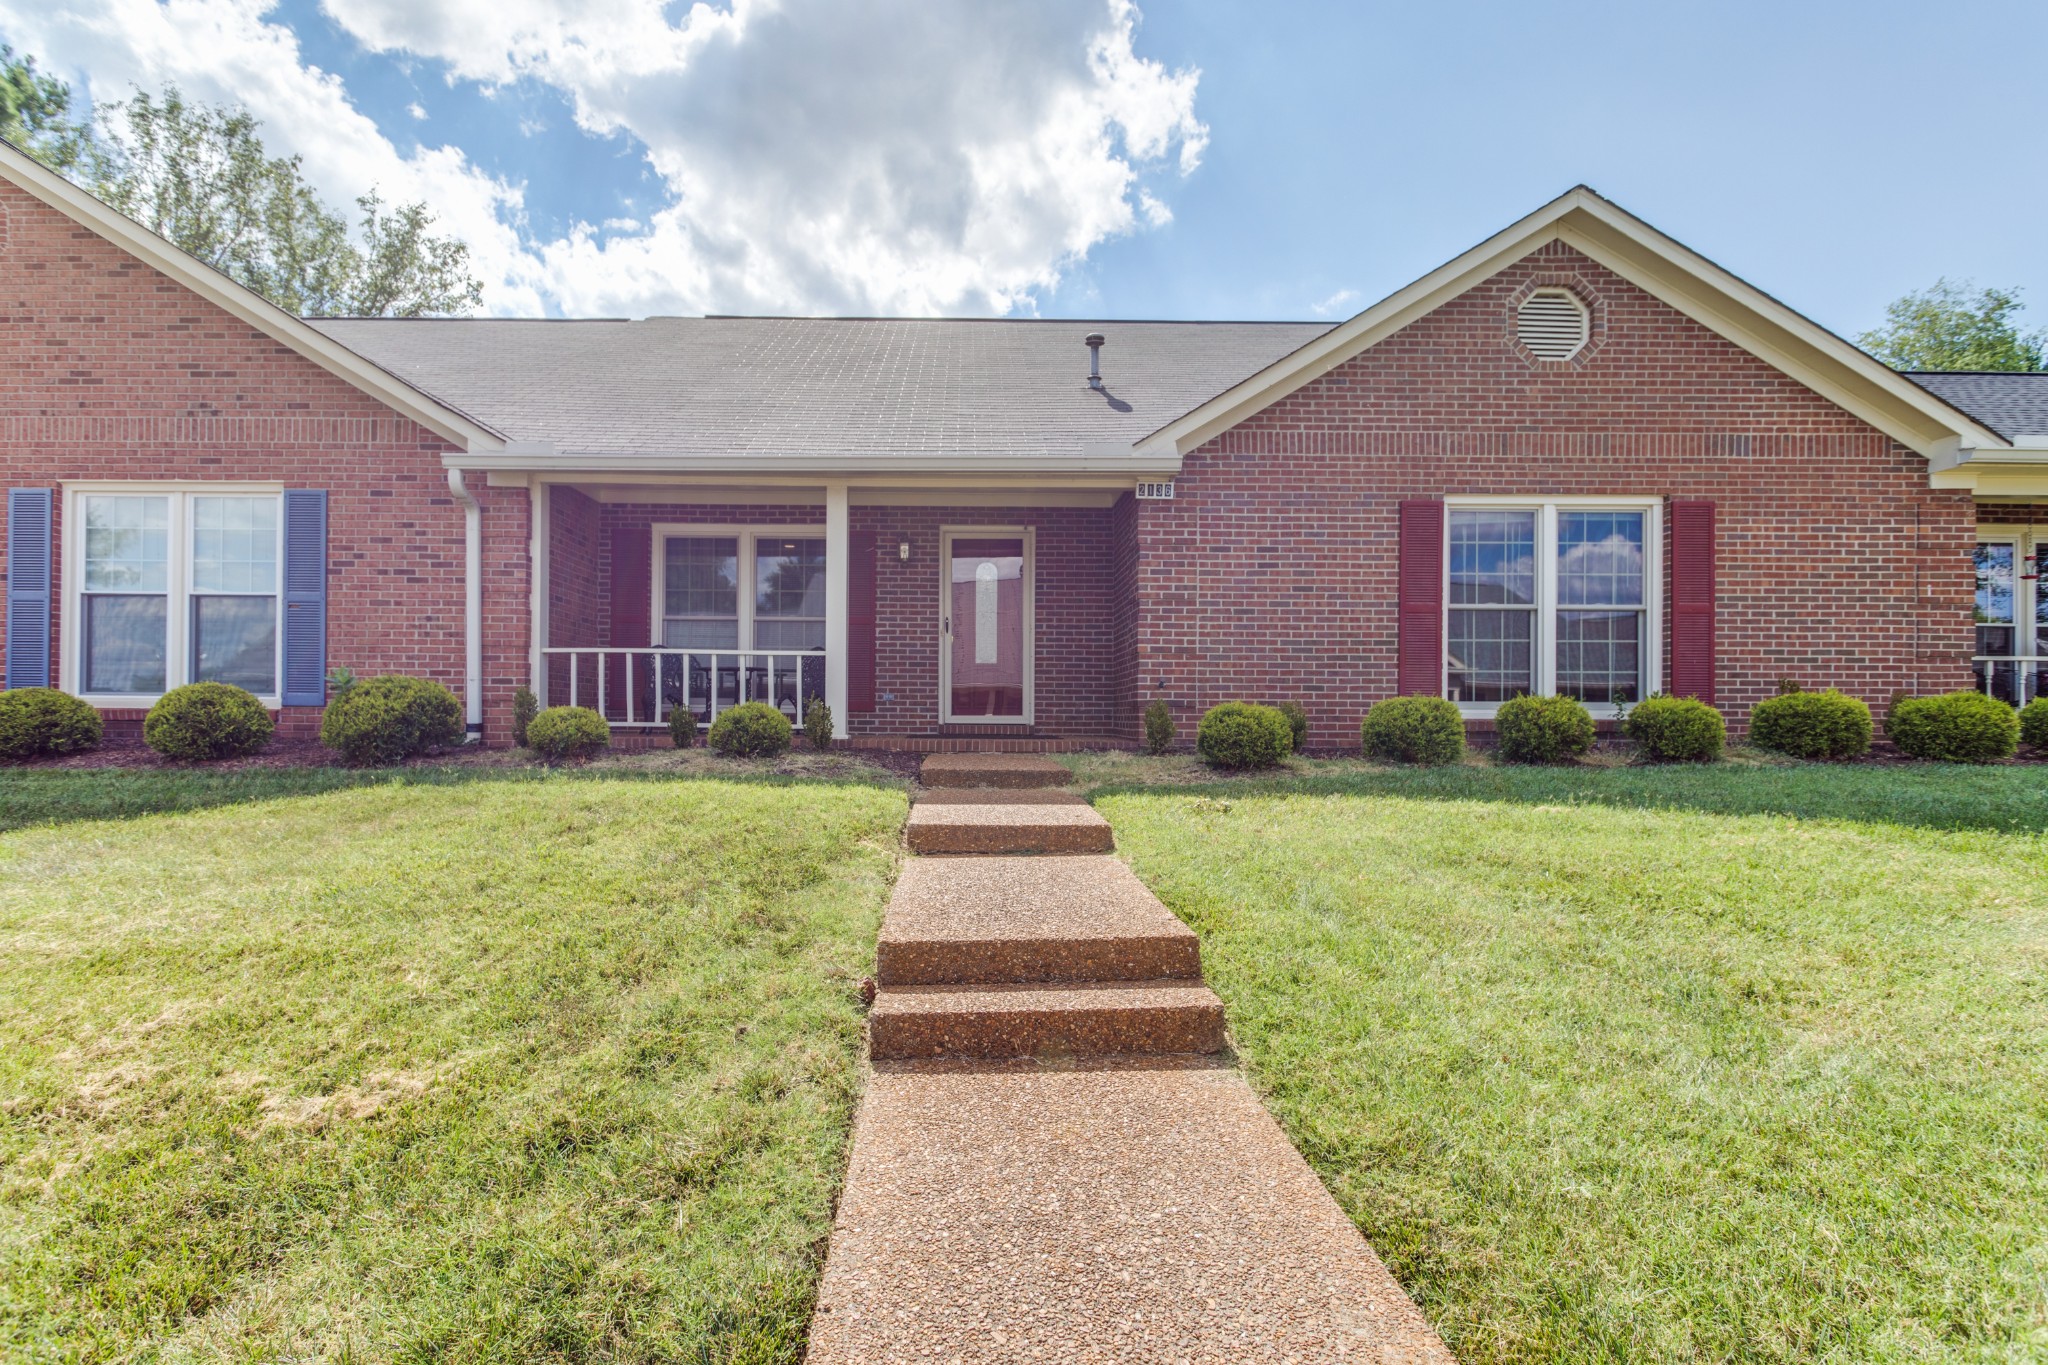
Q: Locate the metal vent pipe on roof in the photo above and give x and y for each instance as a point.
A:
(1094, 340)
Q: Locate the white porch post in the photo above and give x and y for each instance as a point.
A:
(537, 588)
(838, 556)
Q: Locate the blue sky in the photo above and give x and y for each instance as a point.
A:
(1070, 158)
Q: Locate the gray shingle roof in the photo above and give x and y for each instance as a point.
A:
(2010, 404)
(764, 387)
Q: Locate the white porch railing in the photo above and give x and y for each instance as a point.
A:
(642, 688)
(2016, 678)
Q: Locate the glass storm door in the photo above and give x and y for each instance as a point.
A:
(985, 646)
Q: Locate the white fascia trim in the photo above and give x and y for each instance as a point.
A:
(850, 468)
(266, 317)
(1561, 218)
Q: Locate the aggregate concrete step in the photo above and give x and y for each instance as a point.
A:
(976, 920)
(953, 820)
(1016, 771)
(1001, 1212)
(1097, 1019)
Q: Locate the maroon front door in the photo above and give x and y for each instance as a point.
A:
(986, 649)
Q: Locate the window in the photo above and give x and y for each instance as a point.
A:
(740, 590)
(1550, 598)
(2011, 613)
(176, 588)
(789, 594)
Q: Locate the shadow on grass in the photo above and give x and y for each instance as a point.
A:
(2009, 800)
(33, 799)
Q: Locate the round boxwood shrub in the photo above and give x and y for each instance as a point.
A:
(751, 730)
(567, 732)
(1297, 724)
(2034, 723)
(1827, 724)
(393, 718)
(1543, 729)
(1241, 734)
(1158, 726)
(1955, 727)
(35, 721)
(203, 721)
(1425, 730)
(1676, 730)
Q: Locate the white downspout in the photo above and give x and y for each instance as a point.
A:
(472, 606)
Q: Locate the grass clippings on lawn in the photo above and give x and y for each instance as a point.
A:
(1727, 1064)
(436, 1065)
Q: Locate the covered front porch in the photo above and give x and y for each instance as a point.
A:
(925, 615)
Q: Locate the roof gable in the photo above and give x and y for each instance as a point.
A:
(46, 185)
(1663, 268)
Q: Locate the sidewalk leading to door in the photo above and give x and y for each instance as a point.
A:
(1073, 1173)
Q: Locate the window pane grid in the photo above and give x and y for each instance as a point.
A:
(234, 545)
(1493, 654)
(1493, 558)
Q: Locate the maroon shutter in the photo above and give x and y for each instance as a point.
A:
(860, 622)
(632, 596)
(1692, 599)
(1420, 598)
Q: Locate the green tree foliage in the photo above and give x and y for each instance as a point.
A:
(1948, 327)
(199, 176)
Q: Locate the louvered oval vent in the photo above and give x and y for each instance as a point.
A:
(1554, 324)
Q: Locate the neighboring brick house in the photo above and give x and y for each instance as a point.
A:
(1577, 458)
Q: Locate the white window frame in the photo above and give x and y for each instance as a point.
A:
(177, 584)
(1546, 510)
(665, 531)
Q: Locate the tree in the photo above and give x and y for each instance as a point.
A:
(1947, 328)
(199, 176)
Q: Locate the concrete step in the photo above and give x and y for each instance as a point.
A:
(972, 821)
(974, 921)
(1015, 771)
(1094, 1020)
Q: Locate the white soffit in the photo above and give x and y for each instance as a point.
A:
(246, 304)
(1661, 267)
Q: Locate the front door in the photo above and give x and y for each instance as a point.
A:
(985, 643)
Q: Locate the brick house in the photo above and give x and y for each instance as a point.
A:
(1579, 458)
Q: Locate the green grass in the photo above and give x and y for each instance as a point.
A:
(441, 1066)
(1746, 1063)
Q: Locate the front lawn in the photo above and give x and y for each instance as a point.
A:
(430, 1066)
(1734, 1064)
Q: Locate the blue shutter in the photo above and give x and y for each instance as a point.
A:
(28, 587)
(305, 597)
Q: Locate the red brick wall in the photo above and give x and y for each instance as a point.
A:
(109, 370)
(1272, 573)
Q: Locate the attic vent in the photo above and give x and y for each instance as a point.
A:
(1162, 492)
(1554, 324)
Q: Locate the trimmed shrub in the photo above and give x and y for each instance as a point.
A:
(751, 730)
(1827, 724)
(818, 725)
(203, 721)
(1676, 729)
(525, 706)
(2034, 723)
(1955, 727)
(1425, 730)
(1242, 734)
(1297, 724)
(568, 732)
(1543, 729)
(35, 721)
(682, 727)
(390, 719)
(1159, 731)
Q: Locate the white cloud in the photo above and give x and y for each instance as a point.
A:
(416, 109)
(818, 155)
(1333, 303)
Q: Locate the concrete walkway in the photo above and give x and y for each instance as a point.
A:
(1053, 1162)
